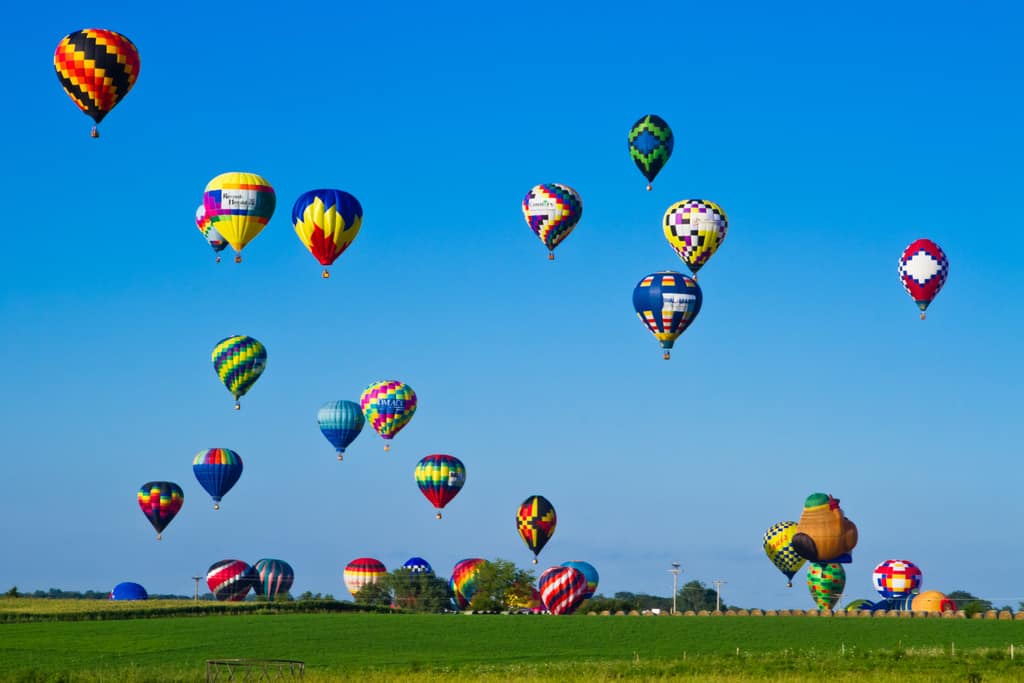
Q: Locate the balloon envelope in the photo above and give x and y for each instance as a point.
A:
(695, 228)
(463, 580)
(826, 582)
(417, 565)
(238, 206)
(552, 211)
(230, 580)
(650, 144)
(129, 590)
(896, 578)
(327, 221)
(239, 361)
(589, 573)
(217, 470)
(778, 546)
(272, 577)
(667, 303)
(562, 589)
(536, 521)
(160, 501)
(440, 477)
(388, 406)
(97, 68)
(340, 422)
(361, 572)
(923, 269)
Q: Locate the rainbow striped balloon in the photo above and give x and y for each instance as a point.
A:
(239, 361)
(217, 470)
(440, 478)
(160, 502)
(388, 406)
(463, 581)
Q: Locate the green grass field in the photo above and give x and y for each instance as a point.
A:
(364, 646)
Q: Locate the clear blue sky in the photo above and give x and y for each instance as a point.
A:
(833, 137)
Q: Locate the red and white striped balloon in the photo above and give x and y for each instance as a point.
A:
(562, 589)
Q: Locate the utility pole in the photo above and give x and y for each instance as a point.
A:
(718, 593)
(675, 571)
(196, 579)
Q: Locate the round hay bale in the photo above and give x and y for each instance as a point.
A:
(771, 613)
(740, 613)
(633, 613)
(784, 613)
(840, 613)
(689, 613)
(756, 612)
(906, 614)
(620, 613)
(1006, 614)
(703, 613)
(605, 613)
(991, 614)
(812, 613)
(1018, 616)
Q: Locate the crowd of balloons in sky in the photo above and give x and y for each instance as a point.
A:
(98, 67)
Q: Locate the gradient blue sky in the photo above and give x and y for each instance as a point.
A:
(833, 136)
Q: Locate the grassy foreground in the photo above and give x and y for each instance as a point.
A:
(372, 647)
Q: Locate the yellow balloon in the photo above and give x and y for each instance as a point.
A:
(694, 229)
(238, 206)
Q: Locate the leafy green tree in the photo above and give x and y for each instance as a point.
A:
(418, 591)
(13, 593)
(375, 594)
(500, 585)
(694, 595)
(969, 603)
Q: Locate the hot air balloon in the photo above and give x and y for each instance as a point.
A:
(650, 145)
(230, 580)
(129, 590)
(897, 578)
(340, 422)
(778, 546)
(327, 221)
(239, 361)
(388, 406)
(826, 581)
(440, 478)
(214, 238)
(536, 521)
(272, 577)
(932, 601)
(562, 589)
(361, 572)
(923, 269)
(589, 572)
(160, 502)
(238, 206)
(824, 534)
(667, 303)
(463, 580)
(552, 210)
(217, 470)
(417, 565)
(695, 228)
(97, 68)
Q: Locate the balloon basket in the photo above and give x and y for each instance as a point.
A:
(551, 256)
(438, 515)
(922, 315)
(95, 133)
(159, 537)
(535, 560)
(387, 447)
(238, 406)
(341, 456)
(789, 584)
(325, 274)
(218, 259)
(238, 259)
(667, 355)
(649, 188)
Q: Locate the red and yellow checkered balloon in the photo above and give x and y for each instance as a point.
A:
(97, 68)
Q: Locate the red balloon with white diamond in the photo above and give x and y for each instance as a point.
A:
(923, 269)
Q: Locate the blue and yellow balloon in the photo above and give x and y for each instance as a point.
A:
(667, 303)
(327, 221)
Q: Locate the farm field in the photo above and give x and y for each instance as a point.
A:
(499, 647)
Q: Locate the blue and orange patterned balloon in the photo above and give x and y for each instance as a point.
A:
(552, 210)
(589, 572)
(440, 478)
(239, 361)
(273, 577)
(536, 520)
(650, 145)
(97, 68)
(666, 303)
(160, 502)
(388, 406)
(238, 206)
(213, 238)
(230, 580)
(217, 470)
(340, 422)
(327, 221)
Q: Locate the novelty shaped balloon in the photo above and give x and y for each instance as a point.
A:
(340, 422)
(230, 580)
(463, 581)
(552, 210)
(273, 577)
(217, 470)
(562, 589)
(388, 406)
(97, 68)
(440, 478)
(160, 502)
(589, 572)
(923, 269)
(896, 578)
(214, 238)
(239, 361)
(361, 572)
(535, 520)
(327, 221)
(667, 302)
(826, 582)
(695, 228)
(239, 206)
(824, 534)
(650, 145)
(417, 565)
(129, 590)
(778, 546)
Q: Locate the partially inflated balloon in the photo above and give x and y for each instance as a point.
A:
(932, 601)
(230, 580)
(340, 422)
(388, 406)
(327, 221)
(160, 502)
(217, 470)
(536, 520)
(589, 572)
(695, 228)
(213, 238)
(650, 145)
(923, 270)
(440, 478)
(897, 578)
(273, 577)
(417, 565)
(97, 68)
(463, 580)
(826, 583)
(129, 590)
(238, 206)
(778, 546)
(562, 589)
(552, 210)
(666, 303)
(239, 361)
(361, 572)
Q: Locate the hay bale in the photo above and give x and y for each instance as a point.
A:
(620, 613)
(703, 613)
(756, 612)
(633, 613)
(771, 613)
(1005, 615)
(689, 613)
(605, 613)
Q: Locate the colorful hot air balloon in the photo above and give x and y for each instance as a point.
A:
(417, 565)
(826, 582)
(239, 361)
(340, 422)
(923, 269)
(552, 210)
(214, 238)
(129, 590)
(667, 303)
(695, 228)
(650, 145)
(562, 589)
(238, 206)
(230, 580)
(932, 601)
(824, 533)
(536, 521)
(388, 406)
(778, 546)
(362, 572)
(97, 68)
(160, 502)
(897, 578)
(589, 572)
(440, 478)
(463, 580)
(272, 577)
(217, 470)
(327, 221)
